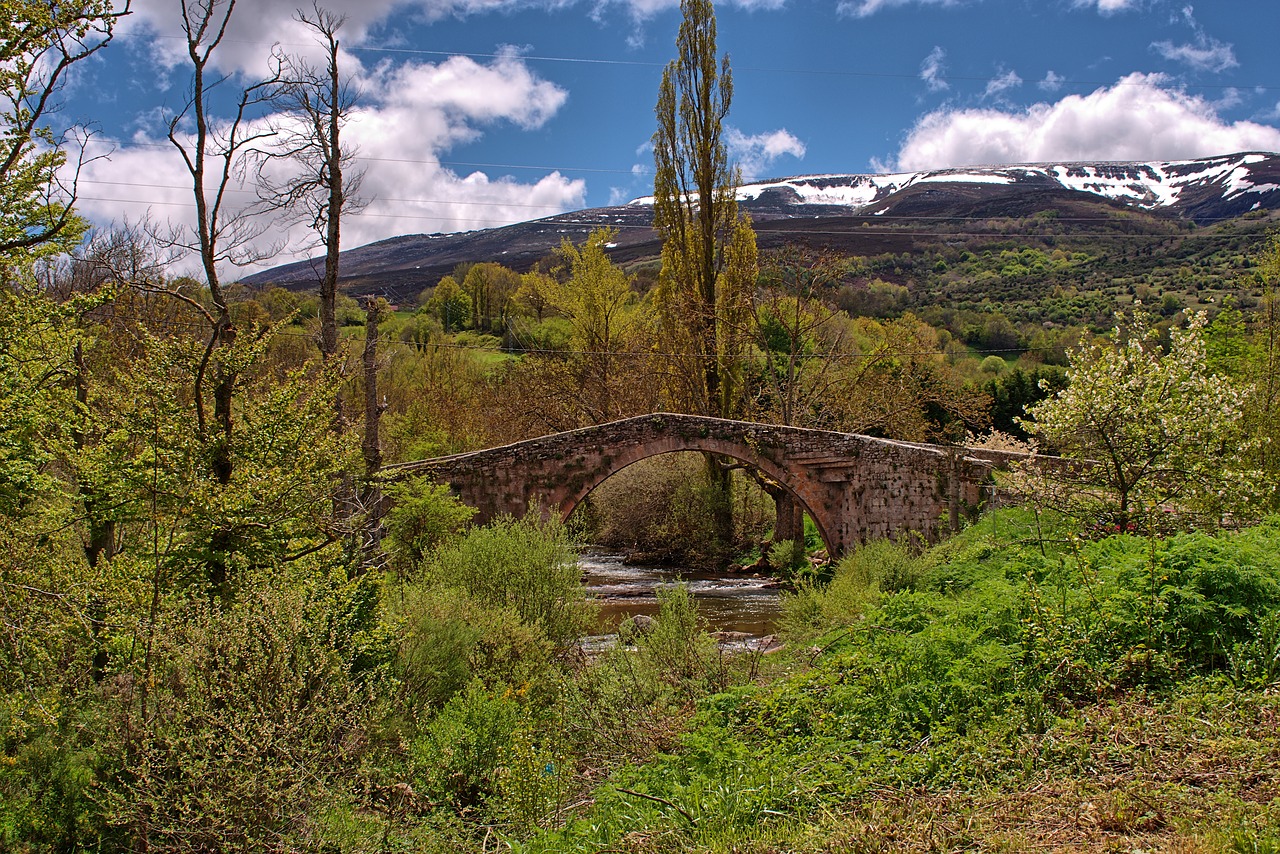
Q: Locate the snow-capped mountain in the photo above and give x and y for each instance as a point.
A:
(1235, 183)
(835, 210)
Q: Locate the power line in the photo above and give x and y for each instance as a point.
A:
(635, 63)
(170, 325)
(187, 188)
(585, 225)
(423, 201)
(437, 162)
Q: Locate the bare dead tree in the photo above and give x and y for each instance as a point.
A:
(371, 447)
(318, 184)
(214, 154)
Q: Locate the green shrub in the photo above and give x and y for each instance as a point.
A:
(1256, 662)
(678, 646)
(528, 565)
(457, 757)
(448, 640)
(1127, 610)
(860, 577)
(993, 365)
(423, 515)
(535, 779)
(626, 705)
(787, 556)
(250, 730)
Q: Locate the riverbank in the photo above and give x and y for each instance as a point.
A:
(1011, 689)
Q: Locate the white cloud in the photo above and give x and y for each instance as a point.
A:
(864, 8)
(1108, 7)
(1230, 99)
(412, 116)
(755, 154)
(1139, 118)
(932, 70)
(1003, 83)
(462, 89)
(251, 32)
(257, 24)
(1052, 81)
(1207, 54)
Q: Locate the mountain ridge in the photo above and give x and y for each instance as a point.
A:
(848, 212)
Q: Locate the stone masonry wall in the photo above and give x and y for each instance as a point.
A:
(854, 487)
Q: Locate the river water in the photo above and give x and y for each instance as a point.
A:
(732, 603)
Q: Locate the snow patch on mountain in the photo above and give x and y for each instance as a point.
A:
(1150, 185)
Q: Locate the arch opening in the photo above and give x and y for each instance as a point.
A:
(575, 496)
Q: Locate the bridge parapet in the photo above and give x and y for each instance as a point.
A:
(854, 487)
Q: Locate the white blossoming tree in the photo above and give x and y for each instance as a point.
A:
(1152, 433)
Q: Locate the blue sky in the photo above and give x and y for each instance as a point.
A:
(484, 112)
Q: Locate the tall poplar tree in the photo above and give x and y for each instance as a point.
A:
(709, 248)
(709, 260)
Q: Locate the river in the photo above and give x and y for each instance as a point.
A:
(732, 603)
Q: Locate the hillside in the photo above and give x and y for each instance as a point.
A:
(1126, 212)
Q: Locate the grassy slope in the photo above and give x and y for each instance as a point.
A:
(988, 696)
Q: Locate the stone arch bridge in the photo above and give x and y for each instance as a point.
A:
(854, 487)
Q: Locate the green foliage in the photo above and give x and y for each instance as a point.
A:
(677, 646)
(975, 676)
(47, 797)
(528, 565)
(450, 305)
(662, 509)
(630, 702)
(448, 640)
(423, 515)
(786, 556)
(1153, 433)
(36, 342)
(880, 566)
(993, 365)
(460, 753)
(39, 43)
(1014, 390)
(243, 697)
(489, 288)
(877, 299)
(536, 779)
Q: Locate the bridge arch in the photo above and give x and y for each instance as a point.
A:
(794, 484)
(855, 488)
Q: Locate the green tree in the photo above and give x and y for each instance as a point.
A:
(1151, 432)
(1263, 367)
(596, 298)
(709, 254)
(797, 333)
(39, 43)
(709, 258)
(449, 303)
(490, 287)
